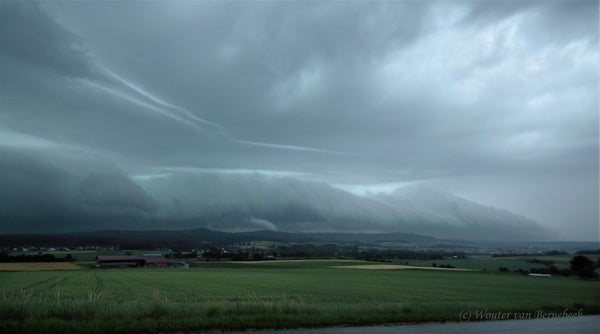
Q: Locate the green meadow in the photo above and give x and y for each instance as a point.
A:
(236, 296)
(493, 263)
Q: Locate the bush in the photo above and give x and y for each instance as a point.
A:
(583, 267)
(539, 271)
(565, 272)
(522, 272)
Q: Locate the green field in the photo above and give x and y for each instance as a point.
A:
(227, 295)
(493, 263)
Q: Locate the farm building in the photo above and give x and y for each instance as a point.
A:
(108, 261)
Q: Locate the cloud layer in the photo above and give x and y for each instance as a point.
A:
(496, 102)
(82, 195)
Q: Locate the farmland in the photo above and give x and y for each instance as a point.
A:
(37, 266)
(229, 295)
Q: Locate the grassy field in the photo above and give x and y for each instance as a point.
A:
(230, 296)
(489, 263)
(29, 266)
(89, 255)
(493, 263)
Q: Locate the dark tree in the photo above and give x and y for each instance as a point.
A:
(553, 270)
(583, 267)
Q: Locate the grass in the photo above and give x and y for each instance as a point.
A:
(493, 263)
(87, 255)
(34, 266)
(236, 296)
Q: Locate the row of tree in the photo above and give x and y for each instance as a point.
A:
(579, 265)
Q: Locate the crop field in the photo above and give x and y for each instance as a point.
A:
(38, 266)
(86, 255)
(493, 263)
(234, 296)
(396, 267)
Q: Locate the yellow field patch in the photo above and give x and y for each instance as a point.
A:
(395, 266)
(24, 266)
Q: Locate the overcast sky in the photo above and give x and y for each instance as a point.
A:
(496, 102)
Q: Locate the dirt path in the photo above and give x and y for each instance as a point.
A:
(583, 324)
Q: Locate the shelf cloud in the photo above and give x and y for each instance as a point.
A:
(485, 102)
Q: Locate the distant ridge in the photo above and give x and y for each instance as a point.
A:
(189, 238)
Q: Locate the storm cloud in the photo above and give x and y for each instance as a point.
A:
(158, 113)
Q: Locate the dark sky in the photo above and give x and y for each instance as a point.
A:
(496, 102)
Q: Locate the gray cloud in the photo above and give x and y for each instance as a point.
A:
(548, 23)
(40, 195)
(341, 93)
(29, 35)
